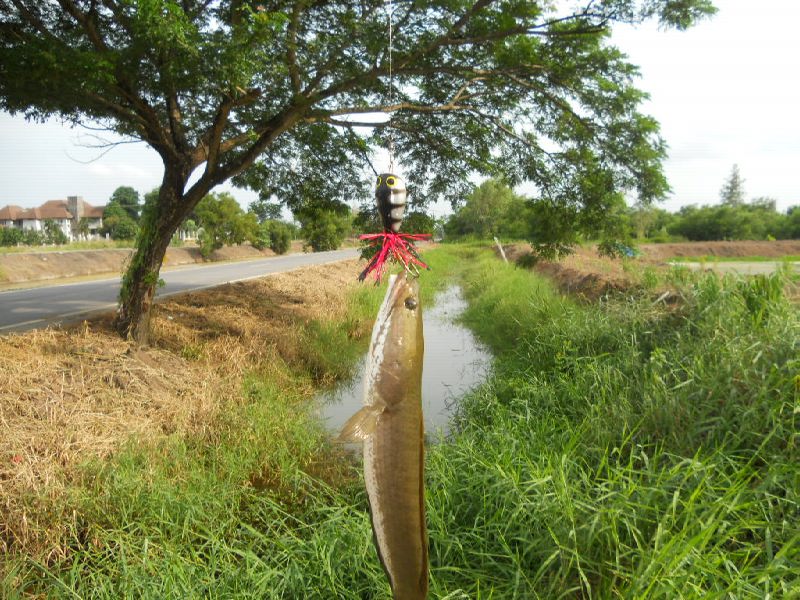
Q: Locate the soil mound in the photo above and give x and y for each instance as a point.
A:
(773, 249)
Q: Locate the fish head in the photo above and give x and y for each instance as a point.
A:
(400, 345)
(405, 310)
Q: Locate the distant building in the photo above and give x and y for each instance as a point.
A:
(72, 215)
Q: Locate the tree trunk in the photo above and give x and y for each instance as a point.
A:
(159, 222)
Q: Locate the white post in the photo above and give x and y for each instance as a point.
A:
(500, 247)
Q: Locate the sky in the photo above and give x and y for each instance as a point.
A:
(726, 92)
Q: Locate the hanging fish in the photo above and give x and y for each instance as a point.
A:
(390, 199)
(391, 427)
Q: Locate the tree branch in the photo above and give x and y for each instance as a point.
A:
(291, 47)
(210, 147)
(276, 126)
(88, 24)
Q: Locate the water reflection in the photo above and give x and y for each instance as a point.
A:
(454, 363)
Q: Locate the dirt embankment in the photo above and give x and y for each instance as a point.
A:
(775, 249)
(67, 396)
(587, 274)
(41, 266)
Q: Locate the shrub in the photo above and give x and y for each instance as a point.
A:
(31, 237)
(280, 237)
(10, 236)
(53, 234)
(324, 224)
(261, 237)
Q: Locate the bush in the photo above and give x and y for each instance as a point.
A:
(324, 224)
(280, 237)
(223, 222)
(31, 237)
(53, 234)
(125, 229)
(261, 238)
(10, 236)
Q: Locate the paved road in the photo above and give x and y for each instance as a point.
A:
(740, 267)
(38, 307)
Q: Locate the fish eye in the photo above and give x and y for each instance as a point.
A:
(411, 303)
(390, 181)
(379, 180)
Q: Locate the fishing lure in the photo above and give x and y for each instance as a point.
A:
(391, 245)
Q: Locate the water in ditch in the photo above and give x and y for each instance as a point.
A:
(454, 362)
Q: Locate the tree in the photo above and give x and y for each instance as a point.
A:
(324, 224)
(128, 199)
(280, 236)
(83, 229)
(117, 222)
(791, 224)
(265, 209)
(223, 222)
(758, 220)
(274, 235)
(268, 93)
(418, 221)
(491, 209)
(732, 192)
(53, 234)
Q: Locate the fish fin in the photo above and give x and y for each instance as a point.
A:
(362, 424)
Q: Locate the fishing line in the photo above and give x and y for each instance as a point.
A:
(390, 15)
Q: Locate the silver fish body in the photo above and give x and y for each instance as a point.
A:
(391, 427)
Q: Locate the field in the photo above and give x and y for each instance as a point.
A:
(626, 449)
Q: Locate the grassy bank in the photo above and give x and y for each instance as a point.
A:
(224, 441)
(251, 501)
(618, 450)
(623, 451)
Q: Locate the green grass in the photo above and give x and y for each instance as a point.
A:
(620, 451)
(91, 245)
(617, 451)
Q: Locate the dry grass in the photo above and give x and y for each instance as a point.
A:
(67, 396)
(586, 274)
(583, 273)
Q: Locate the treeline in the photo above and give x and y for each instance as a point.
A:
(493, 209)
(218, 220)
(757, 220)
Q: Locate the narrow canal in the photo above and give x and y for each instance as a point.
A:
(454, 363)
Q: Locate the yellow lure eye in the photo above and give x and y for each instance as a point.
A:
(379, 180)
(390, 181)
